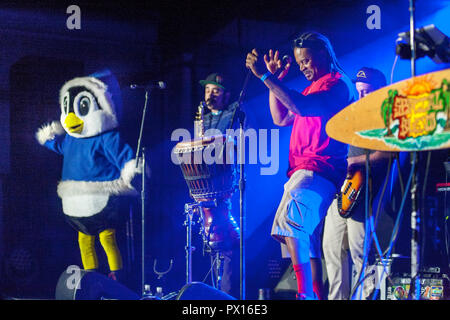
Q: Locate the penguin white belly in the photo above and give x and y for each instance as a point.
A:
(85, 205)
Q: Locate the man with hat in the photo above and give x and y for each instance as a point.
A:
(368, 80)
(217, 96)
(222, 117)
(340, 232)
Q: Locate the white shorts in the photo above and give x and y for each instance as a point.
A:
(302, 208)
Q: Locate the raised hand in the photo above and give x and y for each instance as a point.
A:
(272, 60)
(255, 63)
(274, 64)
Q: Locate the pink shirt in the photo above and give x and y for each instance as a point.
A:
(310, 147)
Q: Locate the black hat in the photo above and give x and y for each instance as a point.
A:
(215, 78)
(371, 76)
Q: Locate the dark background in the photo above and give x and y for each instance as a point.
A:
(179, 42)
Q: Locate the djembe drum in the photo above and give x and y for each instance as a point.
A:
(209, 170)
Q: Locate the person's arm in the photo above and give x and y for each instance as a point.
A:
(357, 163)
(281, 116)
(374, 158)
(324, 103)
(278, 95)
(285, 103)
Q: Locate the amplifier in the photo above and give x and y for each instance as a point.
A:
(431, 286)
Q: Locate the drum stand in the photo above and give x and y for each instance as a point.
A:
(217, 265)
(188, 223)
(189, 209)
(219, 269)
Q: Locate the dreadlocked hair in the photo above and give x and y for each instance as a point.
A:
(317, 41)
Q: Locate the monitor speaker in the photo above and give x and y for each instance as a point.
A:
(288, 282)
(201, 291)
(78, 284)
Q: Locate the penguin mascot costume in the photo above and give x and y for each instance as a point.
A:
(98, 166)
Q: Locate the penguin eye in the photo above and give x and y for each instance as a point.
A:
(66, 104)
(84, 106)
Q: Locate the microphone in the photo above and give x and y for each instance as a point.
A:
(150, 85)
(286, 59)
(284, 62)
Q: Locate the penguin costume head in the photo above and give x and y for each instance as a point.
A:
(90, 105)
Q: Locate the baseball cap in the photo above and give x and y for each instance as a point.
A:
(371, 76)
(215, 78)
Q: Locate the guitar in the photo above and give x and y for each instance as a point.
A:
(348, 196)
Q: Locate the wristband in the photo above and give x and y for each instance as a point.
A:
(265, 76)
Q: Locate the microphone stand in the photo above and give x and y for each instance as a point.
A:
(241, 116)
(138, 152)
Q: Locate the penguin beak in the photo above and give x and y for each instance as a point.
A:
(73, 123)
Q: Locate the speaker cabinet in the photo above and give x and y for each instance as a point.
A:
(77, 284)
(201, 291)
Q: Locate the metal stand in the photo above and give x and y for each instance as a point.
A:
(189, 209)
(142, 152)
(241, 116)
(415, 213)
(130, 238)
(143, 224)
(188, 223)
(219, 266)
(242, 209)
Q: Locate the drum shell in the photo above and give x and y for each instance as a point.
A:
(210, 171)
(220, 228)
(208, 166)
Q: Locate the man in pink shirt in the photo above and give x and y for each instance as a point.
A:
(317, 163)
